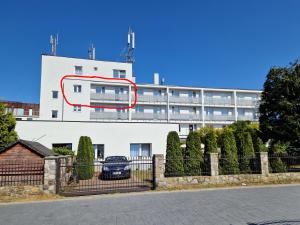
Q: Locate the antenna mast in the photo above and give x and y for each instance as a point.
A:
(54, 43)
(130, 46)
(92, 52)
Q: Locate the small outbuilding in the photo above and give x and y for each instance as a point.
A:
(25, 150)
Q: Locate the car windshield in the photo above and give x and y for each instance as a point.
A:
(116, 159)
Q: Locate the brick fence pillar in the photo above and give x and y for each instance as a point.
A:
(158, 169)
(50, 174)
(264, 163)
(213, 164)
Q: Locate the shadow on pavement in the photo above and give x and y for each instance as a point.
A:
(277, 222)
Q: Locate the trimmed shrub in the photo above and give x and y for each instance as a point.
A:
(259, 146)
(193, 163)
(229, 162)
(174, 157)
(245, 151)
(63, 151)
(210, 142)
(85, 159)
(276, 165)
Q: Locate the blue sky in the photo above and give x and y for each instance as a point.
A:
(230, 44)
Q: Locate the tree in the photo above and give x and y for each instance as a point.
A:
(85, 159)
(211, 142)
(245, 151)
(174, 157)
(193, 163)
(280, 105)
(277, 149)
(229, 162)
(7, 127)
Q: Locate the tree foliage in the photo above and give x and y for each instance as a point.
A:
(245, 151)
(7, 127)
(63, 151)
(193, 163)
(229, 162)
(174, 156)
(210, 145)
(276, 150)
(85, 159)
(280, 105)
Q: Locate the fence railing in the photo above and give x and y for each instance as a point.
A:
(21, 172)
(280, 163)
(240, 165)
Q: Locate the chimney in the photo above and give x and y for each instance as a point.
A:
(156, 78)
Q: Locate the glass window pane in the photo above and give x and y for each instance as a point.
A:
(146, 152)
(134, 150)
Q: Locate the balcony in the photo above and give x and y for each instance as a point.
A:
(247, 102)
(185, 117)
(108, 115)
(148, 116)
(109, 97)
(186, 100)
(218, 101)
(219, 117)
(151, 98)
(244, 117)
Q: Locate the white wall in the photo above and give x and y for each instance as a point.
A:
(116, 136)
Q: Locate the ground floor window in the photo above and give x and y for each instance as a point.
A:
(62, 145)
(99, 151)
(140, 149)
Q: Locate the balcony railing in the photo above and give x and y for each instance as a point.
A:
(219, 117)
(185, 117)
(108, 116)
(181, 99)
(151, 98)
(251, 118)
(246, 102)
(109, 97)
(218, 101)
(148, 116)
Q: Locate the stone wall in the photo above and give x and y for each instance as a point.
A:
(20, 191)
(215, 179)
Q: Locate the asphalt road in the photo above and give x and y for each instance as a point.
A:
(267, 205)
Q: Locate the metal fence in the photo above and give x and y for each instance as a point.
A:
(99, 177)
(242, 165)
(280, 163)
(21, 172)
(186, 167)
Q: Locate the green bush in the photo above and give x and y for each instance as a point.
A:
(276, 165)
(245, 151)
(174, 156)
(63, 151)
(193, 163)
(229, 162)
(259, 146)
(85, 159)
(210, 142)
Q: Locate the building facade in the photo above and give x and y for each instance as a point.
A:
(100, 107)
(21, 110)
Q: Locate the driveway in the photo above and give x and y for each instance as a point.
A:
(263, 205)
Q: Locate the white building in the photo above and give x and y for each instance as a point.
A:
(100, 109)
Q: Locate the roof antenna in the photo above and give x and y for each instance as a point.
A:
(129, 56)
(54, 43)
(92, 52)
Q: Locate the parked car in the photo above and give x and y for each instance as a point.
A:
(116, 167)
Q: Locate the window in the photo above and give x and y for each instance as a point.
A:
(100, 90)
(54, 94)
(54, 113)
(139, 109)
(157, 93)
(77, 108)
(77, 88)
(175, 93)
(62, 145)
(99, 109)
(99, 151)
(157, 110)
(119, 73)
(78, 70)
(18, 112)
(143, 149)
(140, 92)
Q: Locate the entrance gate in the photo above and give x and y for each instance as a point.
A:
(76, 178)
